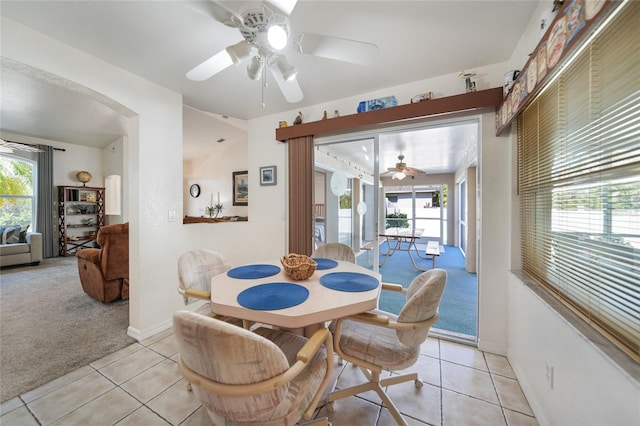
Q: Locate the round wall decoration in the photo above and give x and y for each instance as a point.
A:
(195, 190)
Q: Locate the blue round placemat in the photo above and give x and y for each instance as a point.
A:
(249, 272)
(324, 263)
(349, 281)
(272, 296)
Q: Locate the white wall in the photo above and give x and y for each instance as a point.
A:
(67, 163)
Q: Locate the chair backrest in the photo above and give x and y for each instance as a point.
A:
(197, 267)
(335, 251)
(423, 300)
(114, 250)
(228, 354)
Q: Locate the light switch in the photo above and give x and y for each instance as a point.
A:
(172, 215)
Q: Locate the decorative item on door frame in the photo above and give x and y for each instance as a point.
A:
(241, 188)
(268, 175)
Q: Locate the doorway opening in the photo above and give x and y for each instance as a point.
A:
(359, 194)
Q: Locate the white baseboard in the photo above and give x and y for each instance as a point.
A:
(140, 335)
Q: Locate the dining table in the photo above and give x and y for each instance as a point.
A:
(262, 292)
(402, 239)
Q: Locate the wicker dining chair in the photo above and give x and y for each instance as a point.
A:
(195, 270)
(378, 340)
(335, 251)
(266, 377)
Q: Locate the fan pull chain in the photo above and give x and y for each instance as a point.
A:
(264, 81)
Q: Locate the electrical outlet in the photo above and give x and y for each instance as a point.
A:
(549, 373)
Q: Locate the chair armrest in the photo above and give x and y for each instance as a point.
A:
(414, 325)
(384, 321)
(90, 255)
(196, 294)
(313, 345)
(393, 287)
(306, 353)
(368, 317)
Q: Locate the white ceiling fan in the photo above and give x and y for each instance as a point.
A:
(401, 170)
(265, 29)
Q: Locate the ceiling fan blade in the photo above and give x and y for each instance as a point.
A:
(290, 89)
(413, 172)
(339, 49)
(211, 66)
(284, 6)
(216, 11)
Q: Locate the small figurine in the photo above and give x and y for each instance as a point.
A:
(298, 119)
(336, 114)
(324, 116)
(470, 85)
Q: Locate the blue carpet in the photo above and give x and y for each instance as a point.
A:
(459, 306)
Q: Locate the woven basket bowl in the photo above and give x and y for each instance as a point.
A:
(298, 266)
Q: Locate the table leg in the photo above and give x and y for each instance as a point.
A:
(413, 243)
(389, 252)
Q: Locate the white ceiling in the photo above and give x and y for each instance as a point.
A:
(162, 40)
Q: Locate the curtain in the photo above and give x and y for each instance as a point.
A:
(45, 201)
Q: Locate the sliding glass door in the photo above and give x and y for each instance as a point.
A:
(344, 193)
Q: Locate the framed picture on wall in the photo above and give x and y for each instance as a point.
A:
(241, 188)
(268, 175)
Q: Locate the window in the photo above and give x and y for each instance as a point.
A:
(579, 183)
(17, 184)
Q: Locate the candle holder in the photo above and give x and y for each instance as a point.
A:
(213, 210)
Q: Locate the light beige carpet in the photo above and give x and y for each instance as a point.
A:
(50, 327)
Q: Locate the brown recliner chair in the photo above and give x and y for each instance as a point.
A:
(104, 272)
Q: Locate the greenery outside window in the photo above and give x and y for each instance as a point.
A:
(579, 183)
(17, 189)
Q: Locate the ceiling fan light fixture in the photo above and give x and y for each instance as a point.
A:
(254, 69)
(277, 36)
(239, 51)
(288, 71)
(399, 175)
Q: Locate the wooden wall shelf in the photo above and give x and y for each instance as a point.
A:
(466, 101)
(191, 219)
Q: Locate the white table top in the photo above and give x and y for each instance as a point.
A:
(402, 232)
(323, 304)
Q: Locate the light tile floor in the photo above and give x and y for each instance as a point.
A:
(141, 385)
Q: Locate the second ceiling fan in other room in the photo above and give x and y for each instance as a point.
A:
(401, 170)
(266, 32)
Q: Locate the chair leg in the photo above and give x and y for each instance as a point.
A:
(376, 384)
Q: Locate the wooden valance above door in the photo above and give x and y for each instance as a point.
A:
(300, 150)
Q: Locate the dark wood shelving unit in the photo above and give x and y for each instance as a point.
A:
(76, 206)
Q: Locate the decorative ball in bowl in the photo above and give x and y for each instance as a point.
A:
(298, 266)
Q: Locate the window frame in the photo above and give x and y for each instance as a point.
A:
(34, 183)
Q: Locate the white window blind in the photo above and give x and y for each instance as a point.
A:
(579, 183)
